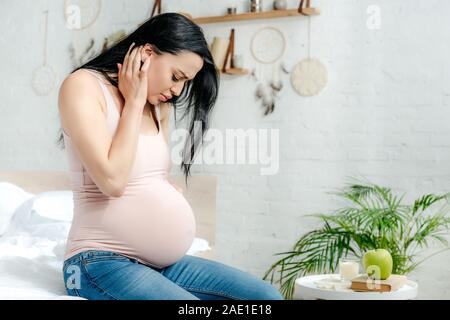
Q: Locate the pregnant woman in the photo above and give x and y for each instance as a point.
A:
(131, 227)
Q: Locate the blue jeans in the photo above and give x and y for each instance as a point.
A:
(106, 275)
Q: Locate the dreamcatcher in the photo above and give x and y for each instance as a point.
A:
(268, 46)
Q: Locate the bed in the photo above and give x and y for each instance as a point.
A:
(30, 266)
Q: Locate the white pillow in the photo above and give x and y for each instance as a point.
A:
(11, 197)
(55, 205)
(198, 245)
(47, 215)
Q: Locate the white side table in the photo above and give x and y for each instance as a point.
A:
(307, 289)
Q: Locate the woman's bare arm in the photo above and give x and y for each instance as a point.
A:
(108, 160)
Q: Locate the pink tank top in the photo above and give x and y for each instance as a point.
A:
(151, 222)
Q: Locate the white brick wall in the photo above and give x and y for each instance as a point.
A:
(384, 113)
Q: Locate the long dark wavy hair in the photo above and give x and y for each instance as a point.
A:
(171, 33)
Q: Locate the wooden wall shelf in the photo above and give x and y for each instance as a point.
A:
(257, 15)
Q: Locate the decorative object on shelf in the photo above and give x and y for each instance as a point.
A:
(306, 9)
(231, 10)
(309, 76)
(268, 46)
(219, 49)
(44, 77)
(233, 69)
(280, 4)
(230, 52)
(80, 14)
(256, 5)
(156, 6)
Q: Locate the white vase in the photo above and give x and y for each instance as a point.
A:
(280, 4)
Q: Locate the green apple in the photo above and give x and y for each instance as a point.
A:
(378, 264)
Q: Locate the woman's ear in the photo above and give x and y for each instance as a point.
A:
(147, 52)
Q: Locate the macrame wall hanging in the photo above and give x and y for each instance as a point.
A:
(44, 77)
(309, 76)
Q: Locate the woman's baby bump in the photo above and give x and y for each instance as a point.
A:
(153, 219)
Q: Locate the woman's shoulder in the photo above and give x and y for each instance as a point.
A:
(81, 84)
(81, 79)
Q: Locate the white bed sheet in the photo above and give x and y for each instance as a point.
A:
(31, 267)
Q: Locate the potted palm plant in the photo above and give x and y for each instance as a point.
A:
(372, 218)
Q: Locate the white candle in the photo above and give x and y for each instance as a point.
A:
(348, 269)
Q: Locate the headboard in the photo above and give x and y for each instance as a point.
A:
(201, 193)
